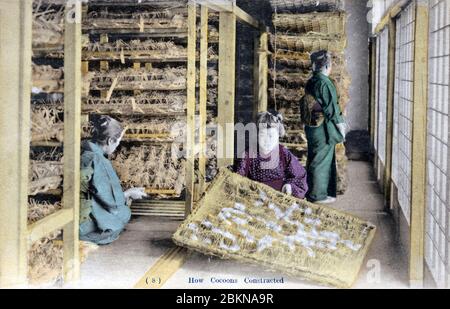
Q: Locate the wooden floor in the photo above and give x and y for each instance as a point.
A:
(132, 260)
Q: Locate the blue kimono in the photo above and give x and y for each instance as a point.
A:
(103, 211)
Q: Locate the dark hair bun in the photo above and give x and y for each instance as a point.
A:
(105, 127)
(321, 58)
(100, 121)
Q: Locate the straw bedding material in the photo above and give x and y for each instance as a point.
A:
(46, 72)
(142, 79)
(156, 129)
(45, 175)
(134, 49)
(211, 158)
(158, 103)
(151, 3)
(139, 20)
(249, 222)
(47, 79)
(152, 167)
(45, 260)
(46, 123)
(39, 210)
(48, 25)
(45, 257)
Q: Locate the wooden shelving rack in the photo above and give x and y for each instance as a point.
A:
(140, 64)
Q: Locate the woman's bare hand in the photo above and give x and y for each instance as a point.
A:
(135, 193)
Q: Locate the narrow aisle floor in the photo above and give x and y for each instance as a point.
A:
(123, 263)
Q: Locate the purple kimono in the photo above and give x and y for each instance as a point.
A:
(287, 171)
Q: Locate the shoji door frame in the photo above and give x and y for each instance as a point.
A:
(419, 129)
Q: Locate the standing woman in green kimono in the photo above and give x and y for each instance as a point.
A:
(104, 210)
(325, 135)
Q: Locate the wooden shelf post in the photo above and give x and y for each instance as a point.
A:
(226, 91)
(390, 111)
(15, 86)
(191, 99)
(261, 71)
(203, 97)
(72, 138)
(373, 70)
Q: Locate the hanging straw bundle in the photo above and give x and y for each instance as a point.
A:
(289, 110)
(309, 42)
(342, 162)
(326, 23)
(249, 222)
(292, 79)
(301, 60)
(285, 94)
(292, 58)
(306, 6)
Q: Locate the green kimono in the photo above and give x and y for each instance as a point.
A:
(103, 210)
(322, 140)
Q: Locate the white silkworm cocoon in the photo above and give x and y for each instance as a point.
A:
(262, 195)
(259, 203)
(207, 224)
(274, 227)
(247, 235)
(239, 221)
(264, 243)
(239, 206)
(193, 227)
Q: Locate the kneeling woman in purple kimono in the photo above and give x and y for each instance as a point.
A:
(271, 163)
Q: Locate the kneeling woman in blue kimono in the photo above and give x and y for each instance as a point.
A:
(104, 210)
